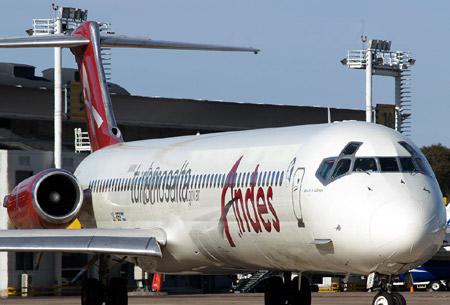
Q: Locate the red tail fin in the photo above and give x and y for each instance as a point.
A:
(102, 126)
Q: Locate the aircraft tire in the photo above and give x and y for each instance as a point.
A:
(398, 298)
(273, 294)
(117, 292)
(92, 292)
(302, 297)
(383, 298)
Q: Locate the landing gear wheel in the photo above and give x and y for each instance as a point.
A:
(302, 297)
(434, 286)
(92, 292)
(383, 298)
(117, 292)
(273, 294)
(398, 298)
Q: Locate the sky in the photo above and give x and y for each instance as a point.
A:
(302, 43)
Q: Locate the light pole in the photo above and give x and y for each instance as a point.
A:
(369, 85)
(58, 96)
(378, 59)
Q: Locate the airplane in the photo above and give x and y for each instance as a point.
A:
(345, 197)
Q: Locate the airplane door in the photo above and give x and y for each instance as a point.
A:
(297, 180)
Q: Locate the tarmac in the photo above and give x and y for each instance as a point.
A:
(323, 298)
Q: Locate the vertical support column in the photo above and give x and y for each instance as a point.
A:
(4, 189)
(58, 137)
(398, 119)
(58, 272)
(58, 97)
(369, 85)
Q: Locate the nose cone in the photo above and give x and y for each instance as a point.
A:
(406, 232)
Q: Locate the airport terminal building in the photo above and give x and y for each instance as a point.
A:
(26, 145)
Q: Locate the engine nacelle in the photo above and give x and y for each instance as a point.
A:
(50, 199)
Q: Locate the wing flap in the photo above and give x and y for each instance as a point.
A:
(128, 242)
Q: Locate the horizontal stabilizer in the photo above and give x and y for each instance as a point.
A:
(43, 41)
(135, 42)
(127, 242)
(70, 41)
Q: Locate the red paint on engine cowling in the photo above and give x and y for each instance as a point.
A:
(21, 209)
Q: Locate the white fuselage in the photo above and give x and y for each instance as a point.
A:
(251, 200)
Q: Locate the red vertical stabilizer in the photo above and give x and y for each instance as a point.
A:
(102, 126)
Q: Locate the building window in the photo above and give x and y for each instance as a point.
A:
(24, 260)
(22, 175)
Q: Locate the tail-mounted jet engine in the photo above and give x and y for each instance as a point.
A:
(50, 199)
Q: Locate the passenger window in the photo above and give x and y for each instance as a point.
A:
(365, 165)
(407, 164)
(388, 164)
(324, 168)
(342, 167)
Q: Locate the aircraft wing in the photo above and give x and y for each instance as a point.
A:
(127, 242)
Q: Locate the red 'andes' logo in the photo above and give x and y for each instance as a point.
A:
(252, 206)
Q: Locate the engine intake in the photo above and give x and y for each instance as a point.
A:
(49, 199)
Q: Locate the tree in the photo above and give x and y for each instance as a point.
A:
(439, 157)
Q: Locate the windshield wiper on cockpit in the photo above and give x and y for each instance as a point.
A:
(367, 171)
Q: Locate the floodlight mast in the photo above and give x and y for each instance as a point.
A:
(369, 85)
(378, 59)
(66, 19)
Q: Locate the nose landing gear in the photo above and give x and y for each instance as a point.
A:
(385, 296)
(286, 290)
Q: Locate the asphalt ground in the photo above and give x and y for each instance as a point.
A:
(347, 298)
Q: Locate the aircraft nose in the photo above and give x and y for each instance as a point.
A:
(407, 231)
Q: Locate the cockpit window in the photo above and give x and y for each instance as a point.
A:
(407, 164)
(409, 148)
(418, 161)
(388, 164)
(365, 165)
(342, 167)
(351, 148)
(421, 166)
(325, 167)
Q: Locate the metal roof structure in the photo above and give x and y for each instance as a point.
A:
(27, 109)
